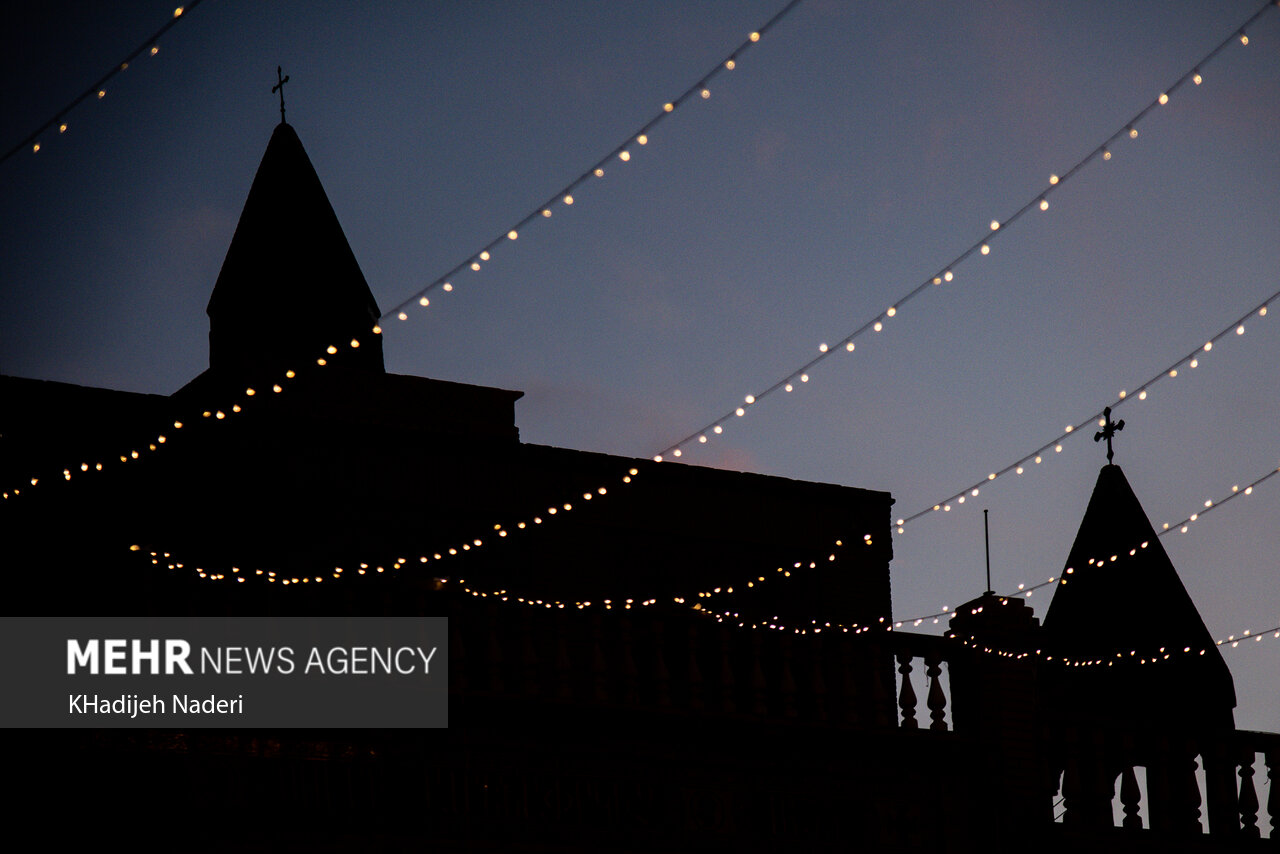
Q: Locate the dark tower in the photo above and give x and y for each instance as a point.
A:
(290, 285)
(1134, 685)
(1159, 665)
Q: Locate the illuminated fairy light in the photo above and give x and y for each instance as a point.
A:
(698, 92)
(1192, 360)
(98, 89)
(982, 247)
(565, 196)
(697, 601)
(1210, 505)
(1151, 654)
(461, 547)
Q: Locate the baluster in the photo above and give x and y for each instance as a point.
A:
(759, 704)
(1192, 798)
(695, 673)
(788, 681)
(495, 655)
(1272, 758)
(661, 678)
(457, 658)
(1220, 789)
(630, 678)
(529, 654)
(848, 690)
(564, 669)
(819, 683)
(1248, 797)
(937, 699)
(726, 673)
(1070, 790)
(1130, 798)
(883, 713)
(599, 672)
(907, 696)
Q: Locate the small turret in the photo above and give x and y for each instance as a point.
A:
(290, 285)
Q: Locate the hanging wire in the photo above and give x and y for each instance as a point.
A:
(96, 90)
(946, 273)
(1236, 327)
(564, 196)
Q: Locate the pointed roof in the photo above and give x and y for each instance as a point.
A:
(1119, 598)
(290, 284)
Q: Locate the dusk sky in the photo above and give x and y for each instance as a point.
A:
(850, 154)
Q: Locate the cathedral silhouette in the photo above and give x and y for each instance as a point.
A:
(642, 656)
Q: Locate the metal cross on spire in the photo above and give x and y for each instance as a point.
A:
(1109, 429)
(279, 87)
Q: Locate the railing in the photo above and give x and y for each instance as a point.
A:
(921, 653)
(1164, 782)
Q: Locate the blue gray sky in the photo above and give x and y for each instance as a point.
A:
(848, 156)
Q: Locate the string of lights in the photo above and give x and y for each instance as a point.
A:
(1191, 360)
(564, 197)
(700, 601)
(699, 91)
(98, 90)
(982, 247)
(1167, 528)
(1150, 655)
(502, 531)
(499, 530)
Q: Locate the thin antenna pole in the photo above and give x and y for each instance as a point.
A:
(986, 533)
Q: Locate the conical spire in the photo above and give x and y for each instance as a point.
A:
(1120, 602)
(290, 285)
